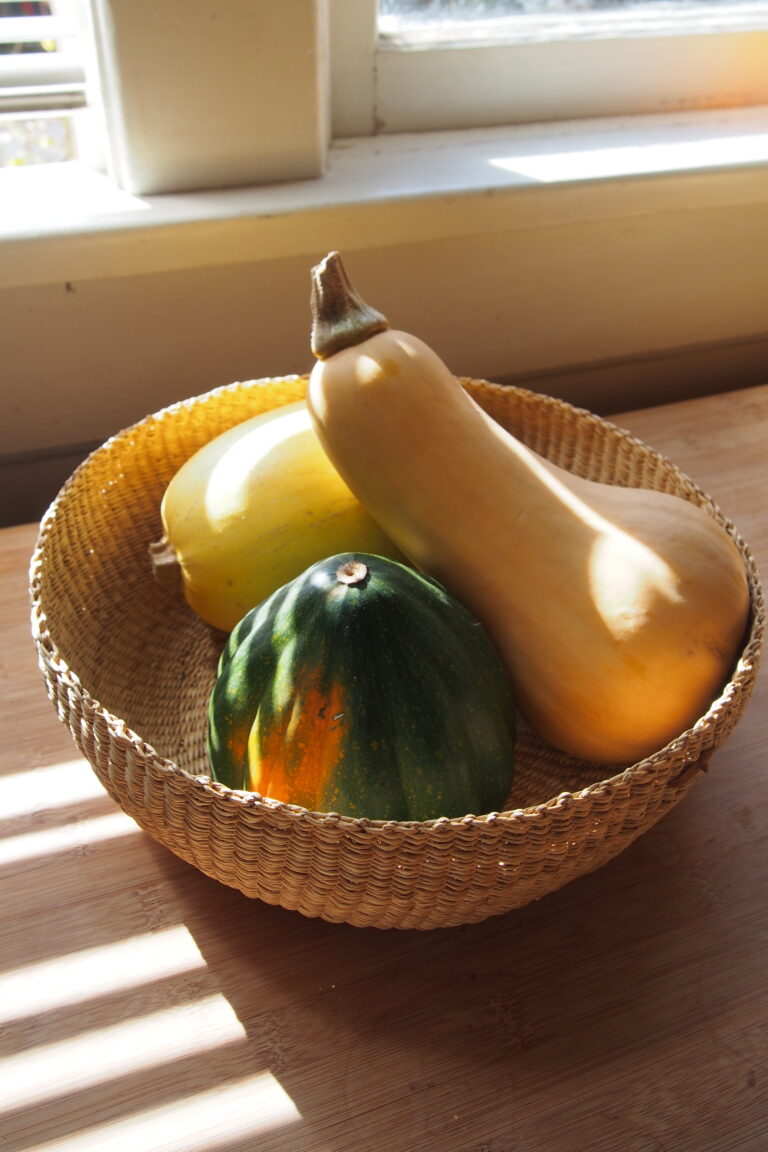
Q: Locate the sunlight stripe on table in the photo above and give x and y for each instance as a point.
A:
(64, 980)
(98, 1056)
(64, 837)
(210, 1120)
(40, 789)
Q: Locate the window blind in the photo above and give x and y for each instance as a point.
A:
(41, 67)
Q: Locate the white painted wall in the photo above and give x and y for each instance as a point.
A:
(104, 322)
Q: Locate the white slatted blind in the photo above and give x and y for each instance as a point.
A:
(41, 67)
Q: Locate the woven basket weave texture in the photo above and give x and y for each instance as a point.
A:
(130, 669)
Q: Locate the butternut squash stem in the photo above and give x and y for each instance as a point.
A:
(340, 317)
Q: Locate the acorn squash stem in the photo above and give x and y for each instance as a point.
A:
(352, 572)
(340, 317)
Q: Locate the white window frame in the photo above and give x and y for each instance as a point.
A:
(353, 83)
(549, 254)
(544, 68)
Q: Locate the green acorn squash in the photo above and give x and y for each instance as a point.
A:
(364, 688)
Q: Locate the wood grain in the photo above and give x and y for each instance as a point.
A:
(144, 1006)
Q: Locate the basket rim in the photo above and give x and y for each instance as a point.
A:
(673, 756)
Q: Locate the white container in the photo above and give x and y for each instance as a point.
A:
(196, 96)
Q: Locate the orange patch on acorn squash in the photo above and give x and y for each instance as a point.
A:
(294, 757)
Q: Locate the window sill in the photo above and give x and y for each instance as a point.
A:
(615, 264)
(62, 223)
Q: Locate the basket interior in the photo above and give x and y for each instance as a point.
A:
(137, 648)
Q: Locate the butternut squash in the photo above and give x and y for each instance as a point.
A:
(618, 612)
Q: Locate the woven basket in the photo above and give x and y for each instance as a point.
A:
(130, 668)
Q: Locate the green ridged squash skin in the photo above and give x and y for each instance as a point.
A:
(382, 699)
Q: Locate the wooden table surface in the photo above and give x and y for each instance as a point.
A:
(145, 1007)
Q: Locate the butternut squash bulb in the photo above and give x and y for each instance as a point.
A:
(619, 612)
(252, 509)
